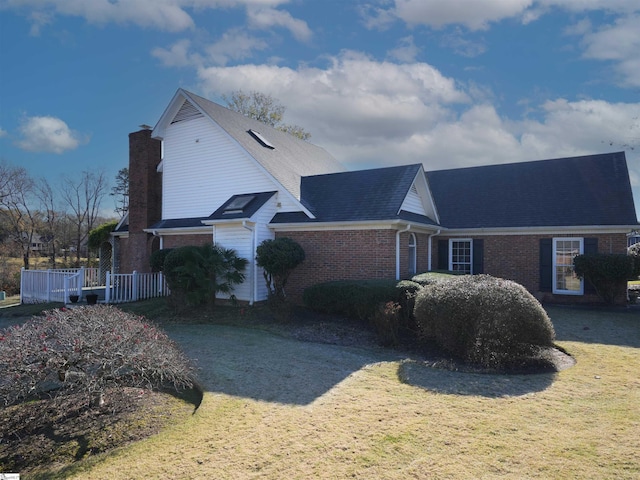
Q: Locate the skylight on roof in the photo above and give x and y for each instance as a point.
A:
(258, 136)
(238, 204)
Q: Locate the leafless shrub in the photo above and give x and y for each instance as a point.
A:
(87, 349)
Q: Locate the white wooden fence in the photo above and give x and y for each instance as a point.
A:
(130, 287)
(56, 285)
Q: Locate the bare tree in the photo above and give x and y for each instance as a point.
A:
(18, 201)
(51, 217)
(121, 192)
(84, 197)
(264, 108)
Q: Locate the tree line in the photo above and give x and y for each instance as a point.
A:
(39, 217)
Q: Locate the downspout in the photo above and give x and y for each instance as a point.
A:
(252, 274)
(429, 249)
(398, 250)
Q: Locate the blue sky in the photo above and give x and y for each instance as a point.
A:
(377, 82)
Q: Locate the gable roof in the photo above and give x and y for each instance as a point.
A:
(362, 195)
(576, 191)
(284, 156)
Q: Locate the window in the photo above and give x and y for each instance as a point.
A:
(412, 254)
(238, 204)
(460, 255)
(564, 278)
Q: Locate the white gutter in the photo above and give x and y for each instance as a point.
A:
(398, 250)
(253, 273)
(429, 249)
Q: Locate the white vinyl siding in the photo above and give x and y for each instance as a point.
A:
(239, 239)
(413, 203)
(203, 167)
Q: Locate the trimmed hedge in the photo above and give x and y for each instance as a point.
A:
(608, 273)
(483, 320)
(354, 298)
(434, 277)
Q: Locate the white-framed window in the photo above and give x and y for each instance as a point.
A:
(565, 281)
(461, 255)
(412, 251)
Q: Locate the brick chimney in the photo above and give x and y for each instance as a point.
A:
(145, 198)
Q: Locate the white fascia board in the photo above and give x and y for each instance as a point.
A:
(122, 221)
(430, 206)
(165, 119)
(550, 230)
(231, 221)
(432, 202)
(364, 225)
(120, 234)
(179, 230)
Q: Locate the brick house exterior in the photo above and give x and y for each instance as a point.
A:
(207, 174)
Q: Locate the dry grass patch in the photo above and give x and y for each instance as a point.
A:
(371, 420)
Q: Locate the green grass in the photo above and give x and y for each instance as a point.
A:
(386, 421)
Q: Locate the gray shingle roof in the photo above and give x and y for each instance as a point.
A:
(258, 200)
(362, 195)
(289, 160)
(587, 190)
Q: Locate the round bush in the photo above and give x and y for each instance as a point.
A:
(483, 320)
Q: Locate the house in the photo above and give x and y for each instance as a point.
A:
(208, 174)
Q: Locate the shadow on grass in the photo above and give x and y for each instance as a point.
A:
(254, 364)
(608, 326)
(445, 381)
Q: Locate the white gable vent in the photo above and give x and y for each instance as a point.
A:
(186, 112)
(258, 136)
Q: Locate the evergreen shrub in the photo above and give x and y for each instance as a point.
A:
(483, 320)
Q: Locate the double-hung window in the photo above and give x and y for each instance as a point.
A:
(461, 255)
(565, 280)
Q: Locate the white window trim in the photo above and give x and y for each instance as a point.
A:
(413, 254)
(555, 289)
(451, 241)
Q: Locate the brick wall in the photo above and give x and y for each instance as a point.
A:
(174, 241)
(517, 258)
(350, 255)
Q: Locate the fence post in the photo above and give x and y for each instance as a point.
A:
(81, 280)
(66, 289)
(107, 288)
(48, 285)
(134, 286)
(22, 281)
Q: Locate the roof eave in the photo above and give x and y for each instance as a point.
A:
(542, 230)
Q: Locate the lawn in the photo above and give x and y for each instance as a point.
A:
(280, 408)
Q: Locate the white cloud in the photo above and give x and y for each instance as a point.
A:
(265, 18)
(406, 51)
(3, 133)
(234, 44)
(620, 43)
(474, 14)
(369, 113)
(47, 134)
(169, 15)
(176, 56)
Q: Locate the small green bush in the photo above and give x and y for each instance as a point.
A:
(278, 258)
(608, 273)
(195, 274)
(483, 320)
(156, 261)
(353, 298)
